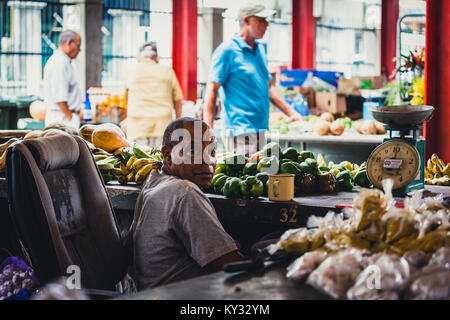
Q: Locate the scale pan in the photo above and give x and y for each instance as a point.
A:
(402, 116)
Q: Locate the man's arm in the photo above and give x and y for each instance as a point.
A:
(218, 264)
(210, 102)
(178, 106)
(65, 109)
(278, 101)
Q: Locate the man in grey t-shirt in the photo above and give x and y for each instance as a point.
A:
(176, 233)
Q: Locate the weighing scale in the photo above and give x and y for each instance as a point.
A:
(400, 158)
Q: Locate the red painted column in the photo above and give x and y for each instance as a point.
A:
(389, 21)
(303, 34)
(184, 46)
(437, 78)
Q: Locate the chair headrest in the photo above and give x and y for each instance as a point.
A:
(54, 152)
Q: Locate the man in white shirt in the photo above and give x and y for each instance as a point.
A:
(62, 94)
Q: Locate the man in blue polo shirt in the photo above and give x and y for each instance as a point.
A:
(239, 75)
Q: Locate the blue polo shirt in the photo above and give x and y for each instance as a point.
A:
(244, 93)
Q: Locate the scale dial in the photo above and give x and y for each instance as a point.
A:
(395, 159)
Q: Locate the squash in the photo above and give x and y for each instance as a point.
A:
(62, 127)
(380, 128)
(53, 132)
(368, 127)
(326, 116)
(321, 127)
(337, 128)
(109, 137)
(33, 134)
(3, 148)
(86, 131)
(38, 109)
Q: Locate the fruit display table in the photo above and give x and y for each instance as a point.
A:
(349, 146)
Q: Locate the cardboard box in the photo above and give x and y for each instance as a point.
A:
(331, 102)
(353, 85)
(309, 94)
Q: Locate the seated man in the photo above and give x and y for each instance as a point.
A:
(176, 233)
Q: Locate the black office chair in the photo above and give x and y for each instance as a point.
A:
(63, 214)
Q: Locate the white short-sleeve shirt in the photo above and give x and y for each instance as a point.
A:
(60, 83)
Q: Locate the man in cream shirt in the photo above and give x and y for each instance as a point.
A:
(152, 92)
(62, 94)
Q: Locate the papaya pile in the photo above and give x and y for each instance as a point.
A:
(240, 176)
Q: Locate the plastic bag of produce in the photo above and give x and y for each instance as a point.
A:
(441, 258)
(295, 241)
(301, 268)
(430, 283)
(383, 279)
(338, 272)
(16, 278)
(416, 258)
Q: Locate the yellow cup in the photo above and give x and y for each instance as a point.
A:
(281, 187)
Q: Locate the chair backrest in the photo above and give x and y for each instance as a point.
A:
(62, 211)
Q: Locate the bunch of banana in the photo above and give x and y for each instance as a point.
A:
(437, 172)
(106, 166)
(136, 170)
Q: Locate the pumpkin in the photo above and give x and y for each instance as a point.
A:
(38, 109)
(33, 134)
(86, 131)
(109, 137)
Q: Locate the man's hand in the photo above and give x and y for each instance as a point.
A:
(65, 109)
(280, 103)
(296, 117)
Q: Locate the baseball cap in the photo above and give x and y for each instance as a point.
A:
(253, 9)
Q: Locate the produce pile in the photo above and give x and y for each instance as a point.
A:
(326, 124)
(47, 132)
(128, 166)
(407, 247)
(116, 159)
(239, 176)
(437, 172)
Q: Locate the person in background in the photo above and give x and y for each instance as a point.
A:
(239, 75)
(152, 93)
(62, 95)
(176, 232)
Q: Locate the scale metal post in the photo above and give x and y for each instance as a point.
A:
(400, 158)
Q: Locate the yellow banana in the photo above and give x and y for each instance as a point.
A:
(436, 169)
(148, 177)
(144, 172)
(429, 165)
(98, 157)
(446, 170)
(117, 172)
(122, 179)
(130, 177)
(434, 158)
(124, 169)
(138, 164)
(131, 161)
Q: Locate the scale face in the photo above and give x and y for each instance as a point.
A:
(395, 159)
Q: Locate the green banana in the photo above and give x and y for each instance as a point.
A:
(140, 154)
